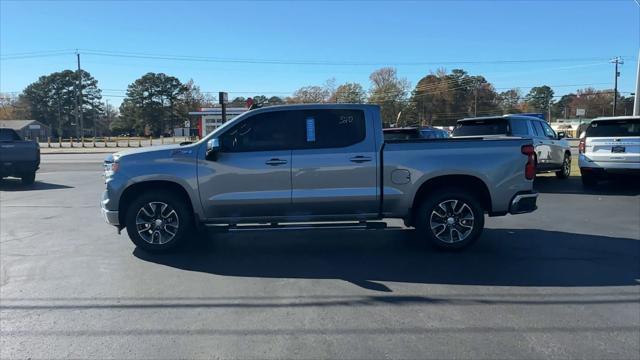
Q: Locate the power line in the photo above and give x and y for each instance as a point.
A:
(196, 58)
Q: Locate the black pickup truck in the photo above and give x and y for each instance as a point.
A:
(18, 157)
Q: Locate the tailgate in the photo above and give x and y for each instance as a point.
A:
(18, 151)
(613, 149)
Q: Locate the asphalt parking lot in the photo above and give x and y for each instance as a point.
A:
(562, 282)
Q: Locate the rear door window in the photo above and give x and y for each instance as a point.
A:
(481, 127)
(537, 128)
(519, 127)
(328, 128)
(614, 128)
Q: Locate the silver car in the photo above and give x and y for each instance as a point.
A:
(609, 146)
(553, 152)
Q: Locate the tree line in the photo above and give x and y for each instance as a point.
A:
(156, 102)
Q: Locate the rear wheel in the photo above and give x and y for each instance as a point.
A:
(565, 170)
(450, 219)
(158, 222)
(28, 178)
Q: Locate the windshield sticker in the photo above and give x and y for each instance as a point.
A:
(311, 130)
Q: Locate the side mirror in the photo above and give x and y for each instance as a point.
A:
(213, 146)
(561, 135)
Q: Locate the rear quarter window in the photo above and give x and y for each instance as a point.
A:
(613, 128)
(481, 127)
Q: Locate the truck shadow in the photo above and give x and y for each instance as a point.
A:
(16, 185)
(502, 257)
(573, 185)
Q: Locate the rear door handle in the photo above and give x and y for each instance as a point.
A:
(275, 162)
(360, 159)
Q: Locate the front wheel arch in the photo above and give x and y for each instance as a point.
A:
(135, 190)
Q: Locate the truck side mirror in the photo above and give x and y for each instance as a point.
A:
(213, 146)
(561, 135)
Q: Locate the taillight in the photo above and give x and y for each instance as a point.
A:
(581, 146)
(530, 167)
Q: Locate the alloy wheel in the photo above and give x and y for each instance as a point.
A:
(157, 222)
(451, 221)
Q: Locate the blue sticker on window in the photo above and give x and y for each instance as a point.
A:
(311, 130)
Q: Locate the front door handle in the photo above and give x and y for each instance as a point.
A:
(275, 162)
(360, 159)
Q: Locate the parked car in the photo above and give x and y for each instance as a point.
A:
(18, 157)
(433, 133)
(403, 133)
(609, 146)
(316, 163)
(552, 151)
(407, 133)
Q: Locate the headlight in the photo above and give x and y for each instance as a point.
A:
(111, 168)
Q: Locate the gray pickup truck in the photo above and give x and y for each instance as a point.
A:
(308, 166)
(19, 158)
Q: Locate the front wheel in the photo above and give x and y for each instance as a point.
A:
(158, 222)
(565, 170)
(451, 219)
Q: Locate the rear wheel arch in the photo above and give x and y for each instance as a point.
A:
(469, 184)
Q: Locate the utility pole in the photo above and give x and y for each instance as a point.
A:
(475, 102)
(636, 102)
(223, 99)
(79, 103)
(617, 60)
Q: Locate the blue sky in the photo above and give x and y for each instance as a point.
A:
(434, 34)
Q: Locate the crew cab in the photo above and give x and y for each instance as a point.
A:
(313, 166)
(18, 157)
(609, 146)
(552, 151)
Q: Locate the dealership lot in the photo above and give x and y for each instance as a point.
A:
(561, 282)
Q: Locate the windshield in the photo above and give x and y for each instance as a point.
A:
(481, 127)
(612, 128)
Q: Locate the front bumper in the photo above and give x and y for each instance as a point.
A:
(110, 216)
(523, 203)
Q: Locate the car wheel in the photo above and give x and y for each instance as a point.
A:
(451, 219)
(158, 222)
(565, 170)
(588, 180)
(28, 178)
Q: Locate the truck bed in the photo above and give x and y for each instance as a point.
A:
(497, 162)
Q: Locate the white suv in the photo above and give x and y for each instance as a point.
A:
(609, 146)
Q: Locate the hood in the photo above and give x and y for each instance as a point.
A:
(148, 150)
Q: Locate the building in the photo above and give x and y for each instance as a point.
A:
(208, 119)
(28, 129)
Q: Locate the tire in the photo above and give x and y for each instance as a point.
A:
(588, 180)
(166, 221)
(565, 170)
(28, 178)
(459, 205)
